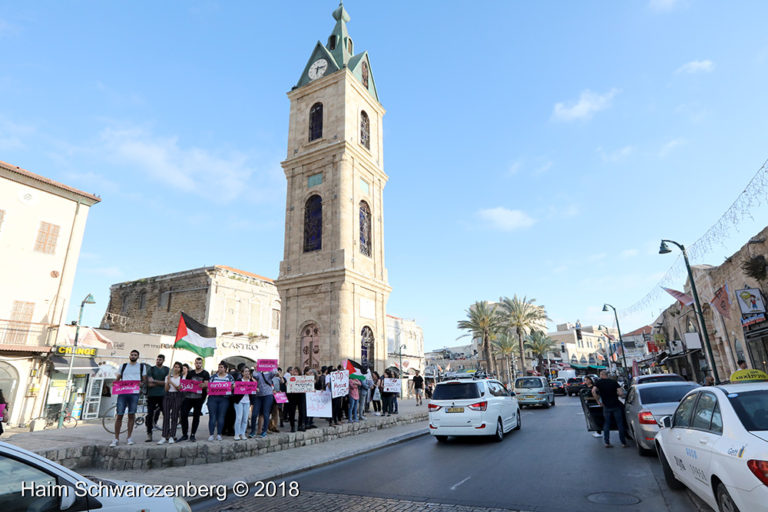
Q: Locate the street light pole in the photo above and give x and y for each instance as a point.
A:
(664, 249)
(68, 394)
(621, 341)
(402, 393)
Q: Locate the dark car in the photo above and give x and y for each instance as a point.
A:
(574, 385)
(558, 387)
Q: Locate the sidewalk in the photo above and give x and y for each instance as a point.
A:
(87, 446)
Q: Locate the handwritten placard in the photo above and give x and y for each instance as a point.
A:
(391, 385)
(300, 384)
(266, 365)
(246, 387)
(219, 388)
(340, 383)
(2, 411)
(281, 398)
(191, 386)
(319, 404)
(125, 387)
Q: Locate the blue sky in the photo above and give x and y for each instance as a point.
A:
(536, 148)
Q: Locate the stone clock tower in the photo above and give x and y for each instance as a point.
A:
(333, 282)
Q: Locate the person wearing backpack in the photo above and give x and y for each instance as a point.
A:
(155, 394)
(136, 372)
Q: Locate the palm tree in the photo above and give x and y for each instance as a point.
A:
(540, 345)
(483, 323)
(506, 346)
(521, 316)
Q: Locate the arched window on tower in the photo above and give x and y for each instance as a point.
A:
(316, 122)
(313, 224)
(367, 347)
(365, 228)
(332, 42)
(365, 130)
(364, 72)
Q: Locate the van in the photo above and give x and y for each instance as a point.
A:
(534, 391)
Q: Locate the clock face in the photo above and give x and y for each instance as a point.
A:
(317, 69)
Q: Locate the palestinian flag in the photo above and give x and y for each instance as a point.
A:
(355, 370)
(193, 336)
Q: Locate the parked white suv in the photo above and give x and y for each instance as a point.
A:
(472, 407)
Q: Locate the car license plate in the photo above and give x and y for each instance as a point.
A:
(454, 409)
(530, 396)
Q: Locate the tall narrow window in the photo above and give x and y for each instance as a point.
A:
(46, 238)
(316, 122)
(313, 224)
(365, 130)
(350, 47)
(364, 72)
(143, 299)
(17, 330)
(332, 43)
(365, 228)
(367, 352)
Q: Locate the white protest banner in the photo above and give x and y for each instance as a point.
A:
(319, 404)
(300, 384)
(391, 385)
(340, 383)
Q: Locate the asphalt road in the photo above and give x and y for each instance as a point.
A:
(552, 464)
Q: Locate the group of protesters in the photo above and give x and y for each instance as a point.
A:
(231, 413)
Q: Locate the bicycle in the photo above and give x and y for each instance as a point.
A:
(108, 421)
(52, 419)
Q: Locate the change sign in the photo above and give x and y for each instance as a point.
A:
(339, 383)
(300, 384)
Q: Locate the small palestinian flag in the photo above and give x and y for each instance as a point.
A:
(195, 337)
(355, 370)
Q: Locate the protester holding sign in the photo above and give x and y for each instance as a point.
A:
(295, 401)
(194, 384)
(354, 397)
(171, 404)
(3, 409)
(132, 374)
(262, 404)
(243, 403)
(376, 398)
(155, 393)
(218, 400)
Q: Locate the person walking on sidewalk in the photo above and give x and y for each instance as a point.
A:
(418, 387)
(133, 371)
(607, 392)
(193, 401)
(218, 404)
(262, 405)
(156, 392)
(171, 404)
(242, 407)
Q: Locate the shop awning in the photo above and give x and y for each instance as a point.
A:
(596, 367)
(579, 366)
(79, 365)
(25, 348)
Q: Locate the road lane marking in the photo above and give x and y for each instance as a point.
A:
(454, 486)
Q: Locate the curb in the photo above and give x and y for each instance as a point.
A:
(343, 456)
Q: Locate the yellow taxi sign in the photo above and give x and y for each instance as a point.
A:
(748, 376)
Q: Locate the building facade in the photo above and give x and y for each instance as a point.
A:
(42, 224)
(333, 282)
(405, 341)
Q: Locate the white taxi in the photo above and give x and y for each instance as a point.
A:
(716, 444)
(472, 407)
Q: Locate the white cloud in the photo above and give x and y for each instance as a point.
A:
(588, 104)
(505, 219)
(597, 257)
(664, 5)
(629, 253)
(514, 167)
(615, 155)
(544, 167)
(697, 66)
(670, 145)
(110, 272)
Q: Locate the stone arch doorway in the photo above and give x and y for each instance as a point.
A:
(9, 380)
(310, 346)
(367, 352)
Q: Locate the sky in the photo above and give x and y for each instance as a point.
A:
(533, 148)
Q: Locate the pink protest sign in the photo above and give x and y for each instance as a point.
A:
(125, 387)
(281, 397)
(2, 410)
(245, 387)
(266, 365)
(191, 386)
(219, 388)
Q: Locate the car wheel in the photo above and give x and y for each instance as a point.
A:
(499, 435)
(669, 476)
(441, 439)
(548, 405)
(724, 500)
(518, 424)
(553, 400)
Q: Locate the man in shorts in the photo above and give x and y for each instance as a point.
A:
(418, 387)
(130, 371)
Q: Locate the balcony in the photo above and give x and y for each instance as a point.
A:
(25, 336)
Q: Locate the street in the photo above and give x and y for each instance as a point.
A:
(551, 464)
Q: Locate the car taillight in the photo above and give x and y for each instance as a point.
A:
(646, 418)
(760, 469)
(479, 406)
(433, 407)
(542, 392)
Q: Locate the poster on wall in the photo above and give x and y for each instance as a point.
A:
(319, 404)
(750, 301)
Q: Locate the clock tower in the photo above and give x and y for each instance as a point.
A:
(333, 283)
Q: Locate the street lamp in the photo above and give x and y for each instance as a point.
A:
(621, 340)
(664, 249)
(401, 369)
(87, 300)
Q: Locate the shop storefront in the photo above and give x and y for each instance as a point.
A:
(80, 362)
(756, 336)
(22, 377)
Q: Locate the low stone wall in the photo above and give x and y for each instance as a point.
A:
(154, 456)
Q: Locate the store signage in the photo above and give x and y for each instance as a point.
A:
(78, 351)
(750, 301)
(752, 320)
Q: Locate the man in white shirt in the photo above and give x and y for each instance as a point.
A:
(133, 371)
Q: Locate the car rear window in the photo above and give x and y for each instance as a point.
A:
(456, 391)
(752, 408)
(664, 394)
(574, 381)
(528, 383)
(660, 378)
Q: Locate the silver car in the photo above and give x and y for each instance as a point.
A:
(534, 391)
(646, 407)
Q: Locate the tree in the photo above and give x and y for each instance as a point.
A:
(506, 346)
(482, 323)
(521, 316)
(540, 345)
